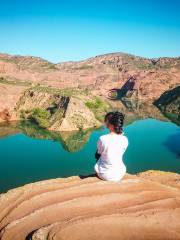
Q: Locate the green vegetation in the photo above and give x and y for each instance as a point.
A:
(47, 65)
(71, 141)
(146, 66)
(47, 106)
(83, 67)
(15, 82)
(29, 62)
(78, 120)
(67, 92)
(98, 107)
(159, 65)
(24, 113)
(52, 109)
(14, 59)
(74, 141)
(40, 116)
(169, 104)
(167, 65)
(33, 130)
(173, 117)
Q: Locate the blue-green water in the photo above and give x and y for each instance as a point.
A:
(29, 154)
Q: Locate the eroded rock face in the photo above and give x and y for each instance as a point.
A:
(169, 101)
(5, 115)
(89, 208)
(100, 73)
(169, 104)
(152, 77)
(74, 141)
(67, 113)
(167, 178)
(77, 116)
(9, 95)
(7, 129)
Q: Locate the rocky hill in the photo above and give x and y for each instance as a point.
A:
(153, 76)
(52, 110)
(118, 76)
(169, 103)
(140, 207)
(24, 63)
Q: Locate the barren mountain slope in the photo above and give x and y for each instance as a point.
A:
(100, 73)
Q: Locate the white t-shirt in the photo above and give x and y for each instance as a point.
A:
(110, 165)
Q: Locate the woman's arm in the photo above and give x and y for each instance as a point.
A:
(97, 155)
(99, 150)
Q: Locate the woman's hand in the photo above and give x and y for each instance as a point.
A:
(97, 155)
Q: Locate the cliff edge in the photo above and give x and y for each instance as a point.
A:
(142, 206)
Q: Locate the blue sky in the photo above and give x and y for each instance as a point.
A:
(73, 30)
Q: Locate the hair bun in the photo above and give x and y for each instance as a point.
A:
(117, 120)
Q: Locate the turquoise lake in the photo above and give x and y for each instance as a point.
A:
(29, 154)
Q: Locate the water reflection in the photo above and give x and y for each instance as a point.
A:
(8, 129)
(173, 143)
(152, 145)
(71, 141)
(74, 141)
(169, 104)
(144, 110)
(175, 118)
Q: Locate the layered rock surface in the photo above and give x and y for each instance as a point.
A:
(100, 73)
(9, 96)
(67, 113)
(89, 208)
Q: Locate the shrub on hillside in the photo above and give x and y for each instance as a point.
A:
(41, 117)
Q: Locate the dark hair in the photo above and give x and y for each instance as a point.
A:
(108, 116)
(117, 120)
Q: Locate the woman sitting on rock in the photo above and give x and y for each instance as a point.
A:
(110, 149)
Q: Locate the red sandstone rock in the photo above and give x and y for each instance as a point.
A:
(89, 208)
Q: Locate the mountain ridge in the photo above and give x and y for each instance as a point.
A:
(2, 54)
(132, 79)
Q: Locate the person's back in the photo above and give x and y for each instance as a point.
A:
(111, 148)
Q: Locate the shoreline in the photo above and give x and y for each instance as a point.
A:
(148, 174)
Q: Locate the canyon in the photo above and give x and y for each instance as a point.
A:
(93, 85)
(72, 96)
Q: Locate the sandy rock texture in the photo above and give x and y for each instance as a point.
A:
(136, 80)
(100, 73)
(77, 116)
(89, 208)
(9, 96)
(67, 113)
(167, 178)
